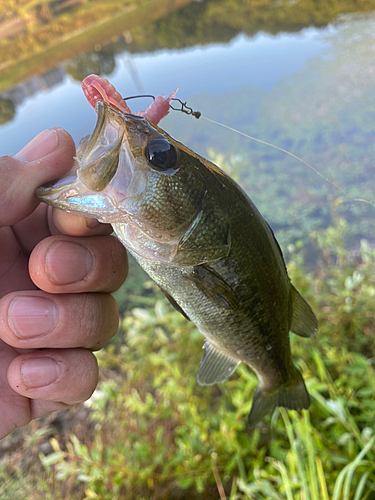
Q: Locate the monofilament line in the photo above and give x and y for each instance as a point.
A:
(290, 154)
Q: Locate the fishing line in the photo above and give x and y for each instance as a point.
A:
(292, 155)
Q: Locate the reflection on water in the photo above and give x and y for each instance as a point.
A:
(250, 62)
(35, 85)
(309, 90)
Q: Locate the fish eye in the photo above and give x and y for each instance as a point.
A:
(161, 154)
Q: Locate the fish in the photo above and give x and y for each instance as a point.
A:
(199, 236)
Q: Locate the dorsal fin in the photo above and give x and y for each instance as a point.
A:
(215, 366)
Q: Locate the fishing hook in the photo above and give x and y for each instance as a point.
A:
(136, 97)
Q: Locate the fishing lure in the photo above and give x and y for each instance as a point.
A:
(97, 88)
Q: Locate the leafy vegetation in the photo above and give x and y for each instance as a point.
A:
(45, 43)
(151, 432)
(220, 21)
(7, 110)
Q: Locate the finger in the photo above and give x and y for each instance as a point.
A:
(35, 319)
(66, 376)
(64, 223)
(32, 229)
(62, 264)
(13, 264)
(46, 157)
(15, 410)
(40, 408)
(45, 221)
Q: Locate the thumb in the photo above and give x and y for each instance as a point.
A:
(48, 156)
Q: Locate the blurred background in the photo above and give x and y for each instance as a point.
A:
(298, 74)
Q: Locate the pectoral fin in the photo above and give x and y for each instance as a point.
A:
(213, 286)
(203, 241)
(304, 322)
(215, 367)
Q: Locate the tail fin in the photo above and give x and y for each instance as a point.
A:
(292, 395)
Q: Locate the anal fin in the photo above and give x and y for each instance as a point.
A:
(304, 322)
(215, 366)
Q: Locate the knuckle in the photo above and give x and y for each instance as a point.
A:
(97, 320)
(89, 316)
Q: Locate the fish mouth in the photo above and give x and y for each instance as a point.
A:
(103, 174)
(69, 194)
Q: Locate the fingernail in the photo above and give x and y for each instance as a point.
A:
(39, 372)
(67, 262)
(43, 144)
(31, 316)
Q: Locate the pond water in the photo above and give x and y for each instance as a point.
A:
(259, 62)
(309, 90)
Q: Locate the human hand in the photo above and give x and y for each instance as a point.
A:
(57, 271)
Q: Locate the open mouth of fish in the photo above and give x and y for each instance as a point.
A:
(104, 175)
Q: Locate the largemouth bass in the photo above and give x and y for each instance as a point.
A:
(202, 240)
